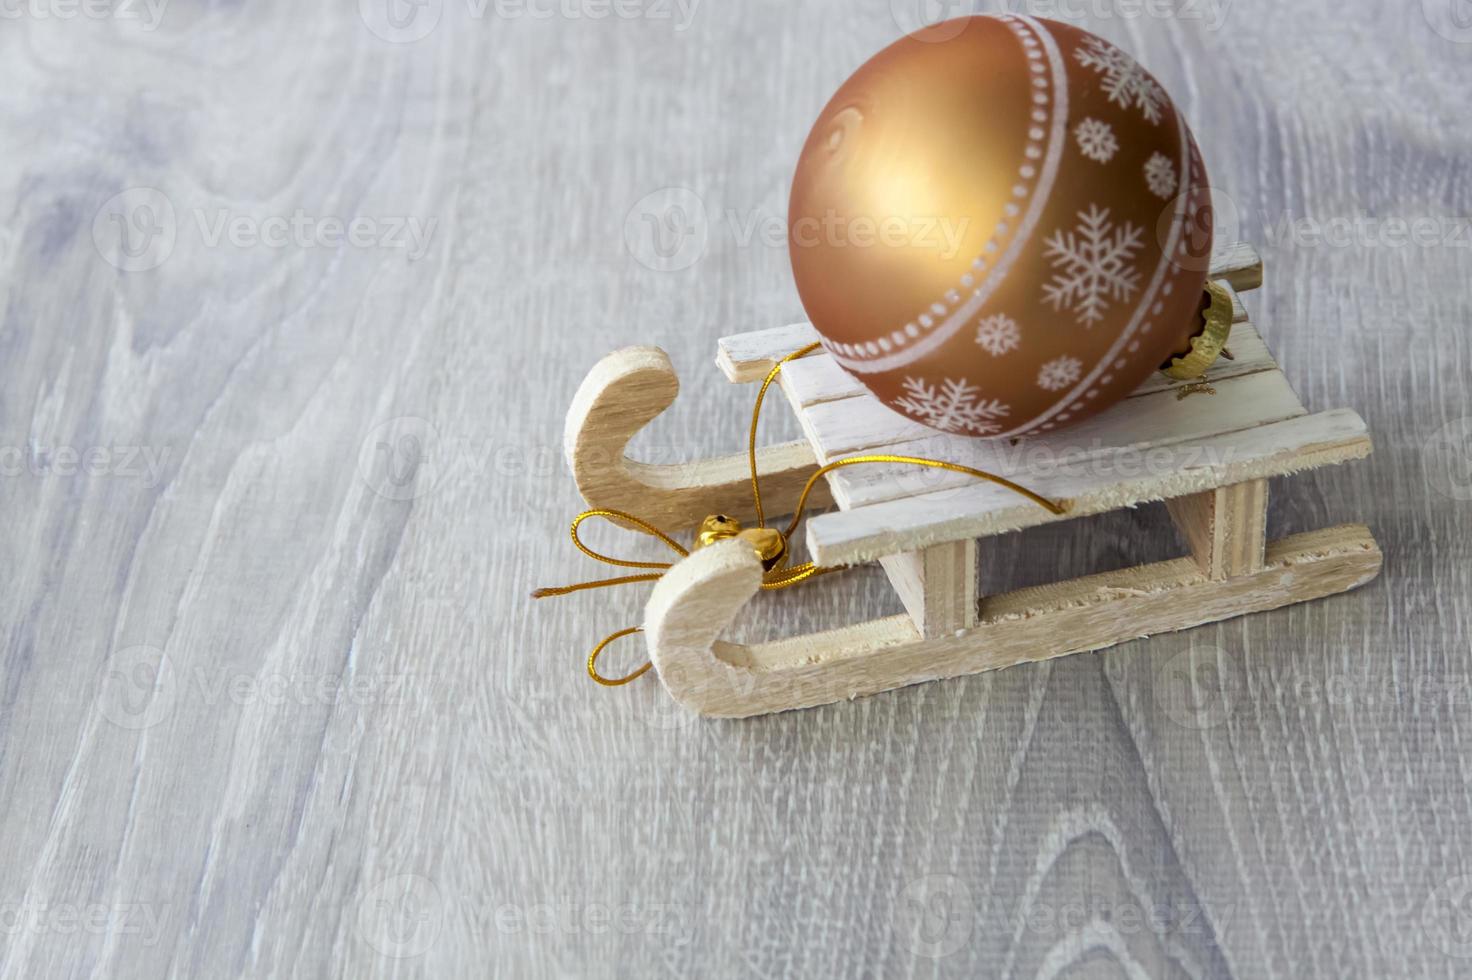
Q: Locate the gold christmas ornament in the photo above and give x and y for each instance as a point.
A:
(1000, 226)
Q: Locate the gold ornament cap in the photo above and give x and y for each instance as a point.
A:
(1207, 345)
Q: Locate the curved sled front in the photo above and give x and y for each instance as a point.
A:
(620, 396)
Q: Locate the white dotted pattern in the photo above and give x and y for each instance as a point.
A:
(1180, 259)
(974, 283)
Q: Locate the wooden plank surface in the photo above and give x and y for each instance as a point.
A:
(1135, 425)
(1087, 484)
(369, 754)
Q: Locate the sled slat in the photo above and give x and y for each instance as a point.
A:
(1089, 486)
(1190, 418)
(747, 357)
(817, 379)
(1135, 424)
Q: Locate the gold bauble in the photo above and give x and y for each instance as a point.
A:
(1001, 226)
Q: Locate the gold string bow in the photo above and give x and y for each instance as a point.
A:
(771, 545)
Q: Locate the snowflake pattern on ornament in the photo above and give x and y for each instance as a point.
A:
(1059, 373)
(997, 334)
(1125, 82)
(1096, 140)
(1094, 265)
(954, 406)
(1160, 174)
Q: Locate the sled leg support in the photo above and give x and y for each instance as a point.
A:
(1226, 528)
(937, 586)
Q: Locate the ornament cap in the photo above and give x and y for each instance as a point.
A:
(1207, 345)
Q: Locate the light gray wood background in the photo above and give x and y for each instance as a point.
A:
(273, 699)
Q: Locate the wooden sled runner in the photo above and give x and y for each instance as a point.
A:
(1208, 456)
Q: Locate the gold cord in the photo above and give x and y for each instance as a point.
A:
(618, 681)
(778, 575)
(756, 416)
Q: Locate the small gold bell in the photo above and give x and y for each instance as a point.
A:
(767, 542)
(716, 527)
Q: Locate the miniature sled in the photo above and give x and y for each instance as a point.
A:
(1206, 448)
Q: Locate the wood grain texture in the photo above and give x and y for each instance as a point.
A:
(370, 755)
(855, 424)
(1226, 528)
(625, 391)
(697, 601)
(1091, 485)
(937, 586)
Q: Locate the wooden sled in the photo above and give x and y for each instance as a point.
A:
(1208, 456)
